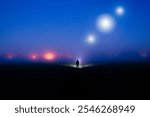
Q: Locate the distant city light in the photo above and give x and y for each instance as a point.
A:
(33, 56)
(9, 56)
(49, 56)
(105, 23)
(144, 54)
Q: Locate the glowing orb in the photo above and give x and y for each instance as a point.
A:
(105, 23)
(90, 39)
(49, 56)
(120, 11)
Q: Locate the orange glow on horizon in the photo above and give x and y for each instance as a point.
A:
(49, 56)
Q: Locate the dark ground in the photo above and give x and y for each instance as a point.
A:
(41, 81)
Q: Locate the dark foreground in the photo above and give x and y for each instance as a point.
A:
(115, 81)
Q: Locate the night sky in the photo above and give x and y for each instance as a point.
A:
(58, 29)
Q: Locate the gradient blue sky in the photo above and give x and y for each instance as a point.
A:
(62, 25)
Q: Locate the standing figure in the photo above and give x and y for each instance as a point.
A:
(77, 64)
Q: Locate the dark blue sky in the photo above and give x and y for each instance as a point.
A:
(62, 25)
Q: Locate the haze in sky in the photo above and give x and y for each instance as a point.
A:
(88, 29)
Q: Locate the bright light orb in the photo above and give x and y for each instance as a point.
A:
(105, 23)
(49, 56)
(90, 39)
(120, 11)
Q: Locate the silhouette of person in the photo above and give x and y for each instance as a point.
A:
(77, 63)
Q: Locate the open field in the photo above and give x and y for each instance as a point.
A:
(45, 81)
